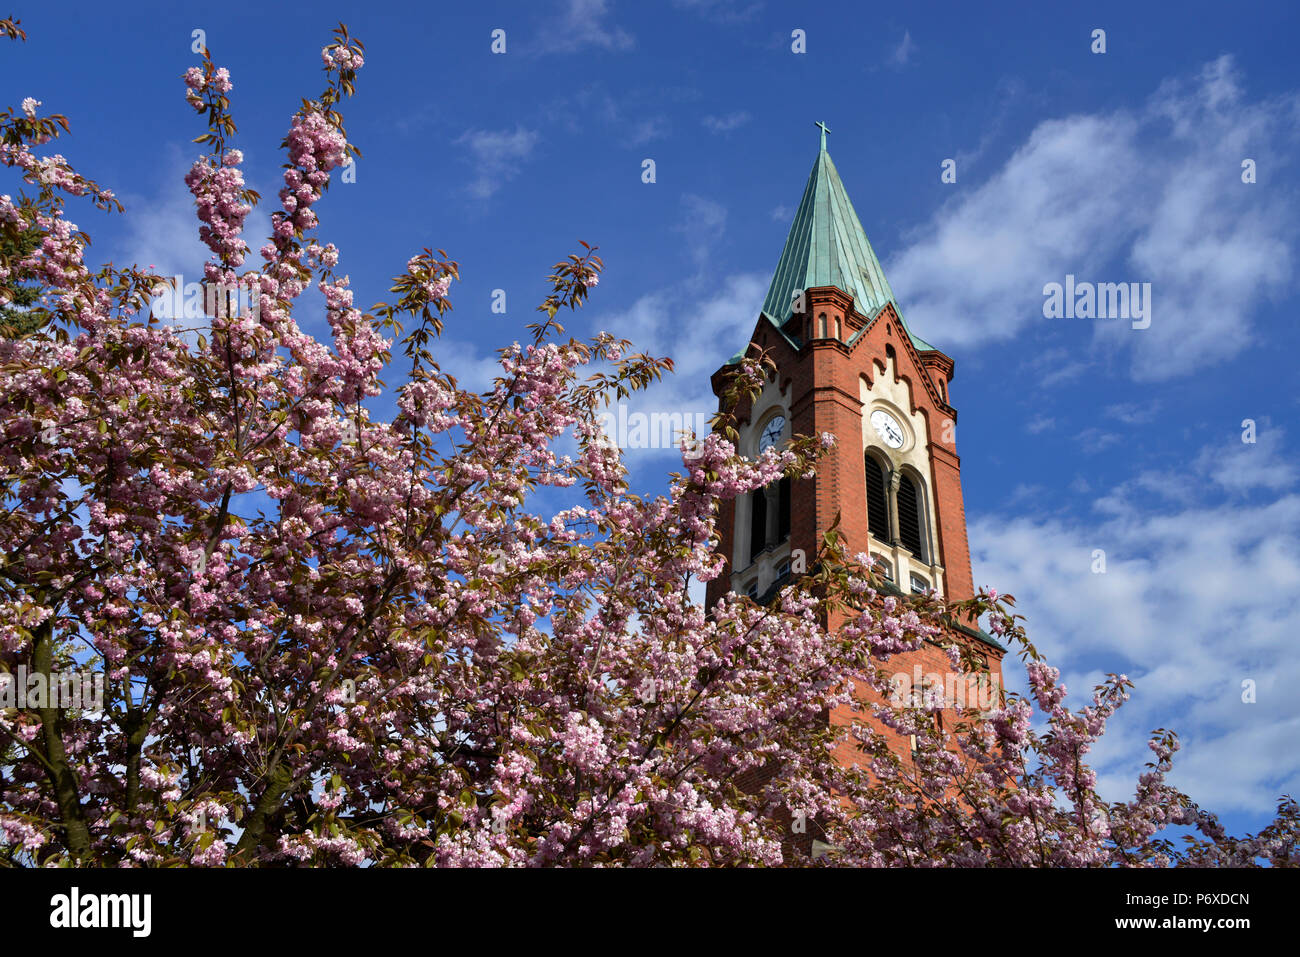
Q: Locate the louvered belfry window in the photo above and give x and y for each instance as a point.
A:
(909, 516)
(877, 504)
(783, 511)
(757, 523)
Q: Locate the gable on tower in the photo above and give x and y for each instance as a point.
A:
(933, 368)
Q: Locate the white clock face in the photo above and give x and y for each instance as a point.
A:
(887, 427)
(771, 433)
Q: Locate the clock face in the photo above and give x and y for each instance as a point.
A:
(887, 427)
(771, 433)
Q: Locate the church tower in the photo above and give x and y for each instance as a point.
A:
(847, 363)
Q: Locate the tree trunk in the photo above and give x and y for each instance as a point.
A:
(73, 815)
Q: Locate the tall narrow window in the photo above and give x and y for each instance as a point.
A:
(757, 523)
(877, 504)
(783, 510)
(909, 516)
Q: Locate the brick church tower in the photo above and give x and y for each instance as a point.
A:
(848, 364)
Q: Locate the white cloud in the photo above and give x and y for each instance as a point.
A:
(727, 123)
(1023, 492)
(582, 25)
(1039, 423)
(698, 331)
(1132, 413)
(1197, 596)
(703, 223)
(1094, 440)
(1054, 366)
(473, 370)
(1242, 467)
(721, 11)
(647, 130)
(699, 321)
(497, 156)
(634, 118)
(1153, 196)
(903, 52)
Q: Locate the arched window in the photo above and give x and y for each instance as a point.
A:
(769, 517)
(757, 522)
(783, 510)
(821, 326)
(877, 500)
(909, 516)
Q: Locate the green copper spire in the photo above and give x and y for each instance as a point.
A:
(828, 247)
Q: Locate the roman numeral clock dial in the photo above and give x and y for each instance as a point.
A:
(888, 428)
(771, 433)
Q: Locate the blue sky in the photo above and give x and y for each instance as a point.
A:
(1075, 434)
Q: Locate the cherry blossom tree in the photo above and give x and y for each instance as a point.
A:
(410, 661)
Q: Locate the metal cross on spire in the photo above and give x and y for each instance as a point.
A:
(825, 129)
